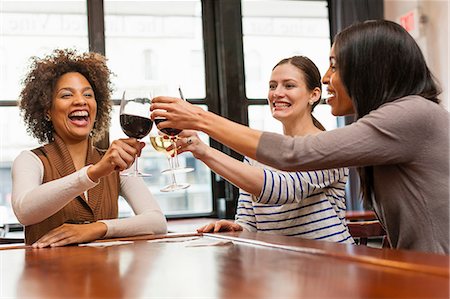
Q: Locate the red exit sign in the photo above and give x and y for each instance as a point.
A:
(407, 21)
(410, 21)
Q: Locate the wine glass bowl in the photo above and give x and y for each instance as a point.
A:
(135, 126)
(135, 119)
(167, 131)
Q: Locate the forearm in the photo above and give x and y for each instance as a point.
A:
(242, 175)
(240, 138)
(149, 218)
(152, 222)
(34, 203)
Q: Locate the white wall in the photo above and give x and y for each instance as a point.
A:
(433, 35)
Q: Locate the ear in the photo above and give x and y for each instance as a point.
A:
(315, 95)
(48, 116)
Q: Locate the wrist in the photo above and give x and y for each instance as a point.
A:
(100, 229)
(92, 173)
(205, 120)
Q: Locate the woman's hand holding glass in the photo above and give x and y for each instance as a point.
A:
(119, 157)
(177, 112)
(168, 143)
(189, 141)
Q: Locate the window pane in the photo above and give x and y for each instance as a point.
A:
(13, 139)
(157, 44)
(274, 30)
(35, 28)
(29, 28)
(197, 199)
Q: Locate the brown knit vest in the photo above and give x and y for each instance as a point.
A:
(103, 198)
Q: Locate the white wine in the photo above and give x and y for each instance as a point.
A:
(161, 144)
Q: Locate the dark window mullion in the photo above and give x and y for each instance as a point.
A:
(231, 82)
(96, 36)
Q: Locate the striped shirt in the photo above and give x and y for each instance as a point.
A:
(309, 205)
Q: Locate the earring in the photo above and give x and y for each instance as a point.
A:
(311, 102)
(47, 117)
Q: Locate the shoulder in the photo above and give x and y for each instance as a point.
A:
(406, 114)
(28, 156)
(409, 106)
(27, 159)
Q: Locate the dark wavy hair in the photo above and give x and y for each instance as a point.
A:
(379, 62)
(37, 94)
(312, 77)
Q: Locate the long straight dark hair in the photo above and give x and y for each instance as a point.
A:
(312, 78)
(379, 62)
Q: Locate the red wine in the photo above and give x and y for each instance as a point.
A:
(167, 131)
(135, 126)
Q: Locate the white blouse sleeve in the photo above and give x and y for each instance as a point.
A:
(33, 201)
(149, 218)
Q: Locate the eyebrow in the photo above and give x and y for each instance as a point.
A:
(72, 89)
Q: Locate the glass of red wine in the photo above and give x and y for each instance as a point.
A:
(135, 119)
(174, 164)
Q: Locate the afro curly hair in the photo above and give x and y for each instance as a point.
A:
(37, 94)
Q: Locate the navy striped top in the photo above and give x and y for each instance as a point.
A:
(309, 205)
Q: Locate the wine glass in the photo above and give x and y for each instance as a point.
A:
(135, 119)
(172, 135)
(160, 143)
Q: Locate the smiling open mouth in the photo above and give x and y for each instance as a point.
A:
(281, 105)
(79, 116)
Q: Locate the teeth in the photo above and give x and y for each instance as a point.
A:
(281, 105)
(79, 114)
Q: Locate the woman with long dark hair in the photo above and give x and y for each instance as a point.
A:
(400, 137)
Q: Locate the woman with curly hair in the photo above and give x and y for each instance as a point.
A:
(67, 191)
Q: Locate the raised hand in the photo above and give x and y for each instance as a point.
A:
(220, 226)
(179, 113)
(188, 141)
(119, 156)
(71, 234)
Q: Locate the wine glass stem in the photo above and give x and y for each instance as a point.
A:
(172, 174)
(176, 163)
(136, 168)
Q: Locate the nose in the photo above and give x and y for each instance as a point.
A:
(277, 92)
(326, 77)
(80, 100)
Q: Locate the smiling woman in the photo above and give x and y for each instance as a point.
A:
(309, 204)
(67, 190)
(74, 108)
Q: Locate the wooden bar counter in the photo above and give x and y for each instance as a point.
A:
(245, 265)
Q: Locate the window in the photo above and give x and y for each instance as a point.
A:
(273, 30)
(29, 28)
(151, 46)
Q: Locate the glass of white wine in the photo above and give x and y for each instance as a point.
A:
(160, 143)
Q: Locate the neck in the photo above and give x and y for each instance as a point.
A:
(78, 152)
(300, 127)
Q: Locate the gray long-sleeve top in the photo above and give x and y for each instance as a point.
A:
(407, 143)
